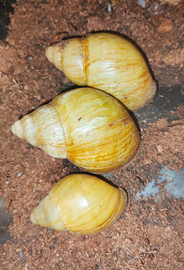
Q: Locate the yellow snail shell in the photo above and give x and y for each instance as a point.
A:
(107, 62)
(81, 204)
(89, 127)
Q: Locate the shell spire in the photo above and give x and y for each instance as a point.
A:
(46, 215)
(25, 129)
(47, 134)
(67, 56)
(51, 53)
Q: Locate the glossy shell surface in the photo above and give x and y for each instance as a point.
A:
(80, 203)
(107, 62)
(87, 126)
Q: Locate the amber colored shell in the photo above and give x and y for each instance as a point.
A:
(107, 62)
(87, 126)
(80, 203)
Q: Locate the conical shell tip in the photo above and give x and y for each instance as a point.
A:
(16, 129)
(32, 219)
(48, 53)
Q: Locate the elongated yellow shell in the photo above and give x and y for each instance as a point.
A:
(87, 126)
(80, 203)
(107, 62)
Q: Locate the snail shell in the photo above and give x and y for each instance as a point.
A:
(87, 126)
(108, 62)
(81, 204)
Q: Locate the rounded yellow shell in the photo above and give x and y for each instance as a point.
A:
(81, 204)
(108, 62)
(87, 126)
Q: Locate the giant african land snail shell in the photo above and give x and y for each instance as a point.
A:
(87, 126)
(81, 204)
(108, 62)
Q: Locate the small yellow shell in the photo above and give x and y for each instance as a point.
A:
(87, 126)
(81, 204)
(108, 62)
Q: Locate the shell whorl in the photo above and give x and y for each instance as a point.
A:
(25, 129)
(48, 135)
(67, 56)
(47, 215)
